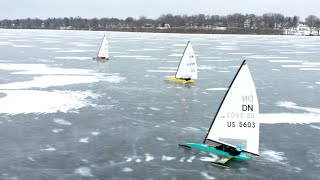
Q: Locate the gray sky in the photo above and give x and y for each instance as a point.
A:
(13, 9)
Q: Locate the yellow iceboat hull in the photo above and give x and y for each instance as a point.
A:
(173, 79)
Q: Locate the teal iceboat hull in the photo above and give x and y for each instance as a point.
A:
(208, 148)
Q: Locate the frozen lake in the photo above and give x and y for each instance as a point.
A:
(66, 116)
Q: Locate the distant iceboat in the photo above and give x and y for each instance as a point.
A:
(235, 127)
(104, 50)
(187, 70)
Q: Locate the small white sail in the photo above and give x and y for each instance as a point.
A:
(104, 49)
(236, 122)
(188, 64)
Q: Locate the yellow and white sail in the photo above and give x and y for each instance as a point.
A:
(187, 68)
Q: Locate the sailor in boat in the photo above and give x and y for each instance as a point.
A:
(186, 79)
(102, 58)
(231, 150)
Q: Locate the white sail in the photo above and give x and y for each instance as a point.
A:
(104, 49)
(236, 122)
(188, 64)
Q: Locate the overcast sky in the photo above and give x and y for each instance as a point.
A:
(13, 9)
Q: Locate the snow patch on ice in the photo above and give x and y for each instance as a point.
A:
(191, 129)
(57, 130)
(31, 101)
(292, 105)
(206, 67)
(160, 139)
(126, 169)
(202, 57)
(75, 51)
(62, 121)
(285, 61)
(114, 79)
(43, 69)
(49, 148)
(297, 52)
(73, 58)
(31, 159)
(297, 66)
(175, 55)
(210, 158)
(275, 69)
(136, 56)
(291, 118)
(266, 57)
(240, 53)
(169, 107)
(228, 48)
(191, 159)
(145, 58)
(49, 81)
(83, 171)
(309, 69)
(84, 140)
(50, 48)
(22, 46)
(170, 71)
(217, 60)
(206, 175)
(315, 127)
(154, 109)
(95, 133)
(168, 158)
(273, 156)
(149, 157)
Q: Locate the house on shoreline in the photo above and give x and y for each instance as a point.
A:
(302, 30)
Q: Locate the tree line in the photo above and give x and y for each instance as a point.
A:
(274, 21)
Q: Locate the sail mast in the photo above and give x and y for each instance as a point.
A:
(181, 58)
(243, 63)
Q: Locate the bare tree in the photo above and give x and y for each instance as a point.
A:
(311, 21)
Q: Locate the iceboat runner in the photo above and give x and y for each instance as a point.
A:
(104, 50)
(187, 71)
(235, 127)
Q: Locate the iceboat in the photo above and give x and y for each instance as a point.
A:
(234, 130)
(187, 70)
(104, 50)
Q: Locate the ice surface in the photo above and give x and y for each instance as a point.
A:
(217, 89)
(108, 105)
(73, 58)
